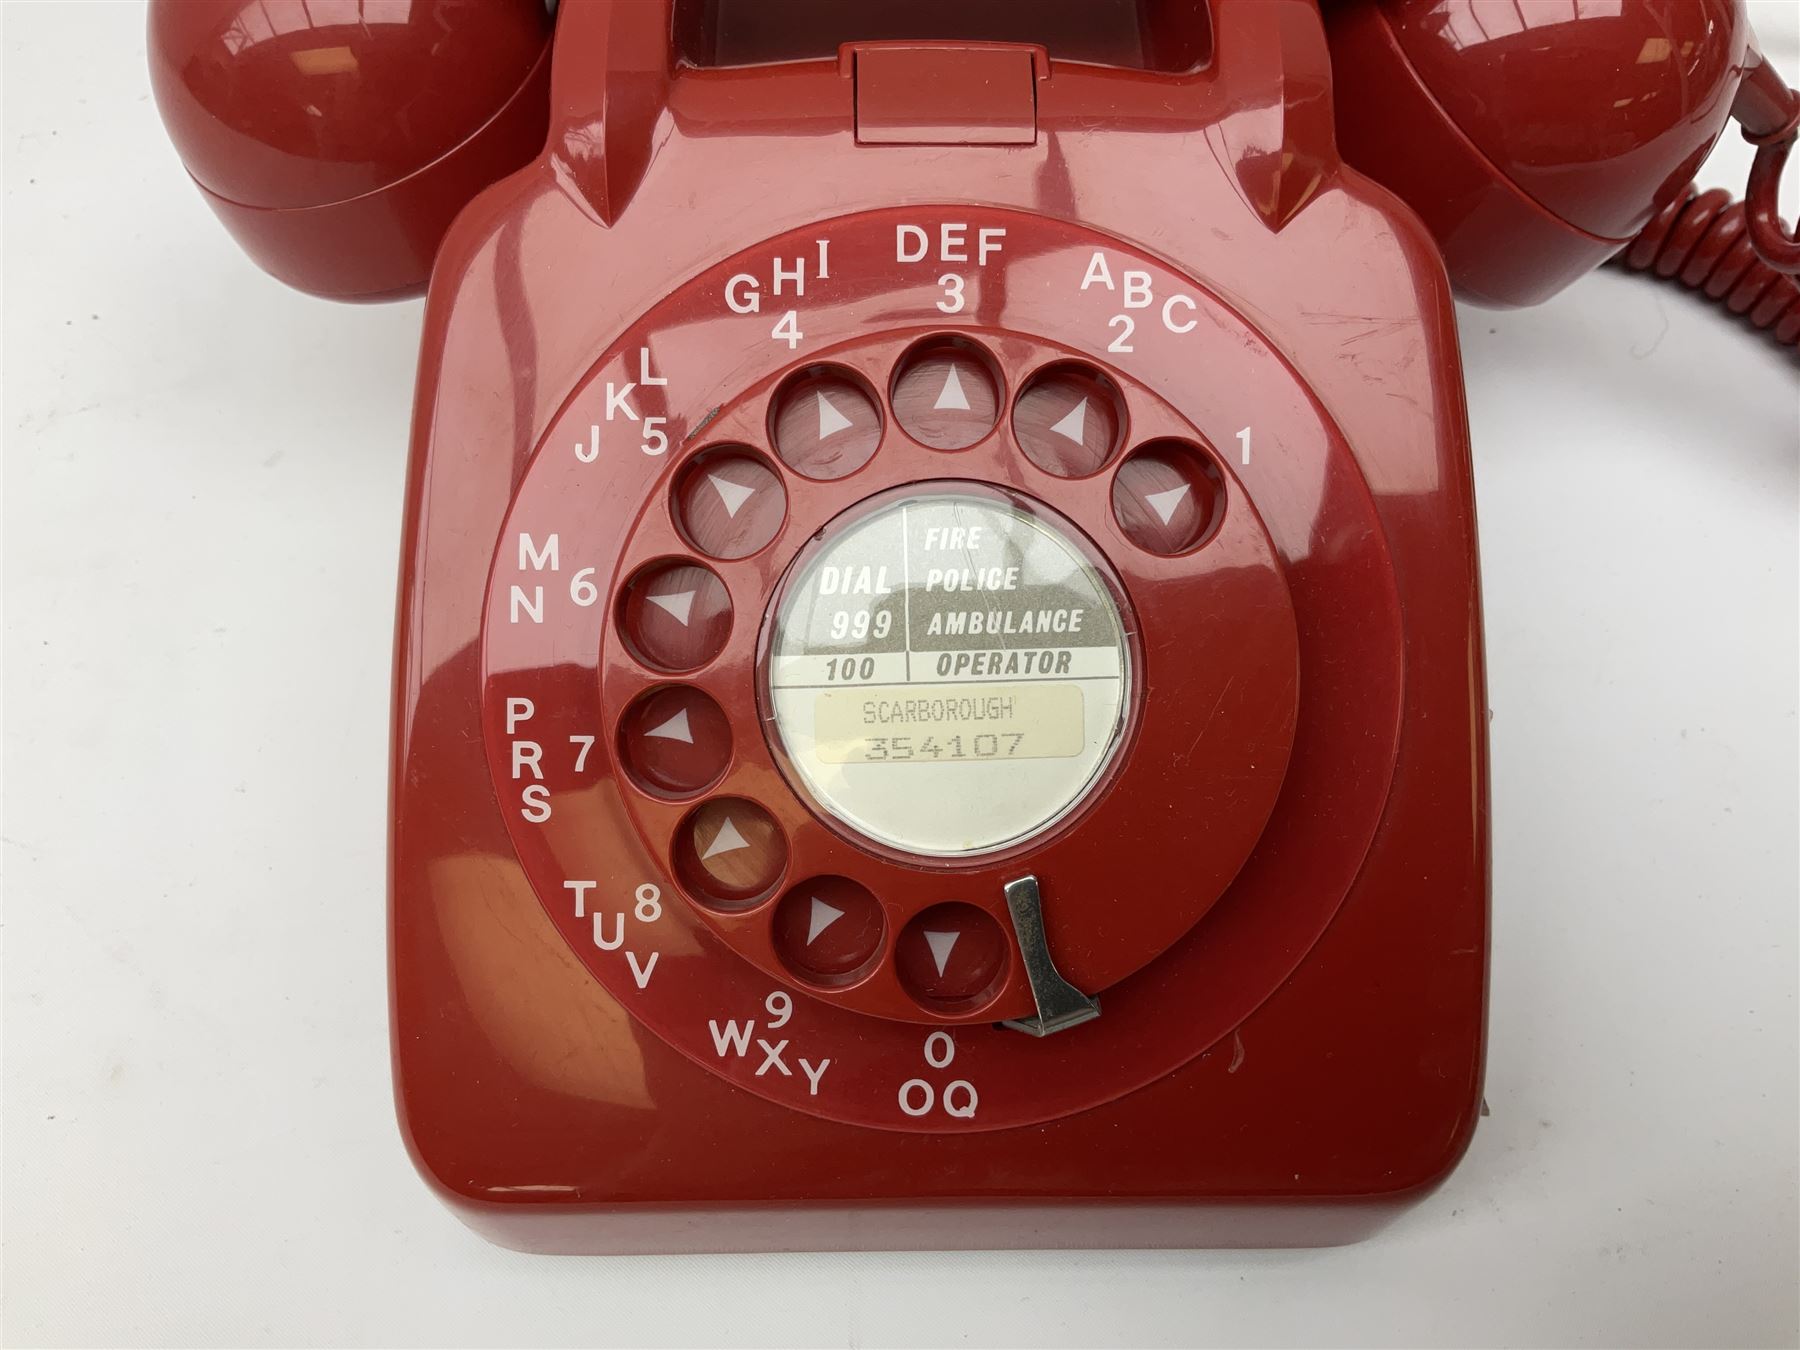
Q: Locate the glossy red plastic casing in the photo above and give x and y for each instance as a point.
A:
(1535, 140)
(1302, 1060)
(338, 141)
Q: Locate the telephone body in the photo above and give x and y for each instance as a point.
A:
(939, 689)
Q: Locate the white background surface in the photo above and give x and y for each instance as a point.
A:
(202, 503)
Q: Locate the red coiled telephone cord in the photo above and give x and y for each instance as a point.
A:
(1701, 240)
(1737, 253)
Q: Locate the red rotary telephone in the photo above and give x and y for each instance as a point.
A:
(939, 694)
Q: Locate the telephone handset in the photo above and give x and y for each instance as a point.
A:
(939, 693)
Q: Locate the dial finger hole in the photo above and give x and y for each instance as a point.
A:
(729, 853)
(1168, 497)
(828, 931)
(825, 423)
(951, 958)
(946, 394)
(675, 616)
(675, 741)
(730, 503)
(1069, 420)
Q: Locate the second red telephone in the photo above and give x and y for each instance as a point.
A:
(939, 687)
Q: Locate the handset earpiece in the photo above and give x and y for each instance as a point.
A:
(1536, 142)
(338, 150)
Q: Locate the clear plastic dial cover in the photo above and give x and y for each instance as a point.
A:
(948, 673)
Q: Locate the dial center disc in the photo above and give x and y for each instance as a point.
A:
(947, 670)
